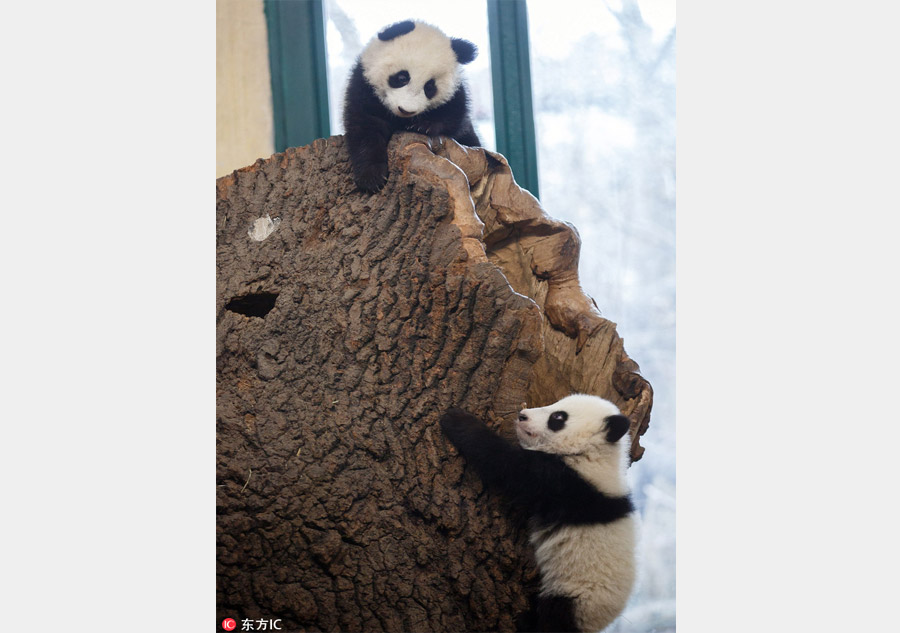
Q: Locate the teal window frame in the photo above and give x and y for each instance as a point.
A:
(298, 70)
(511, 79)
(297, 62)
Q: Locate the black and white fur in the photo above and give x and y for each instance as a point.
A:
(569, 473)
(408, 78)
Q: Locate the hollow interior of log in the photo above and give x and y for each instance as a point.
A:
(582, 352)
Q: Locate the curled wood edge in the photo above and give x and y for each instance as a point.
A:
(476, 178)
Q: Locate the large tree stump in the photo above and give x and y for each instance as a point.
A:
(346, 324)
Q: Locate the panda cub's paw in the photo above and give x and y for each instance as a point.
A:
(456, 422)
(431, 130)
(371, 176)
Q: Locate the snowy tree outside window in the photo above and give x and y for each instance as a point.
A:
(603, 82)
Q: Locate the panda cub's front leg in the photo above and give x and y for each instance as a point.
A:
(367, 140)
(474, 440)
(368, 161)
(370, 175)
(512, 471)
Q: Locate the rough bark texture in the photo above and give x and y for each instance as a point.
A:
(342, 335)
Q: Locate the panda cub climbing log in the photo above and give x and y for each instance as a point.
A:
(570, 475)
(408, 78)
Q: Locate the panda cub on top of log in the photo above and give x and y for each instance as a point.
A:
(569, 474)
(408, 78)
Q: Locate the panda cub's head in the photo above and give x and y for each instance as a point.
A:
(576, 424)
(413, 67)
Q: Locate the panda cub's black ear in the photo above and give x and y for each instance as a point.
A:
(616, 427)
(465, 50)
(396, 30)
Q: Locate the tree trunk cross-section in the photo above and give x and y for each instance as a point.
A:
(346, 324)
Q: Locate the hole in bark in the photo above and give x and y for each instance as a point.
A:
(253, 305)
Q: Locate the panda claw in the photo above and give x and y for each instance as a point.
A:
(372, 178)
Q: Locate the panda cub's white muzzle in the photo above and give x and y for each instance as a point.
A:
(525, 430)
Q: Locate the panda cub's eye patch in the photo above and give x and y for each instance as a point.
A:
(557, 420)
(398, 79)
(430, 88)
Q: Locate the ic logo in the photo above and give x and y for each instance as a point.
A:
(229, 624)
